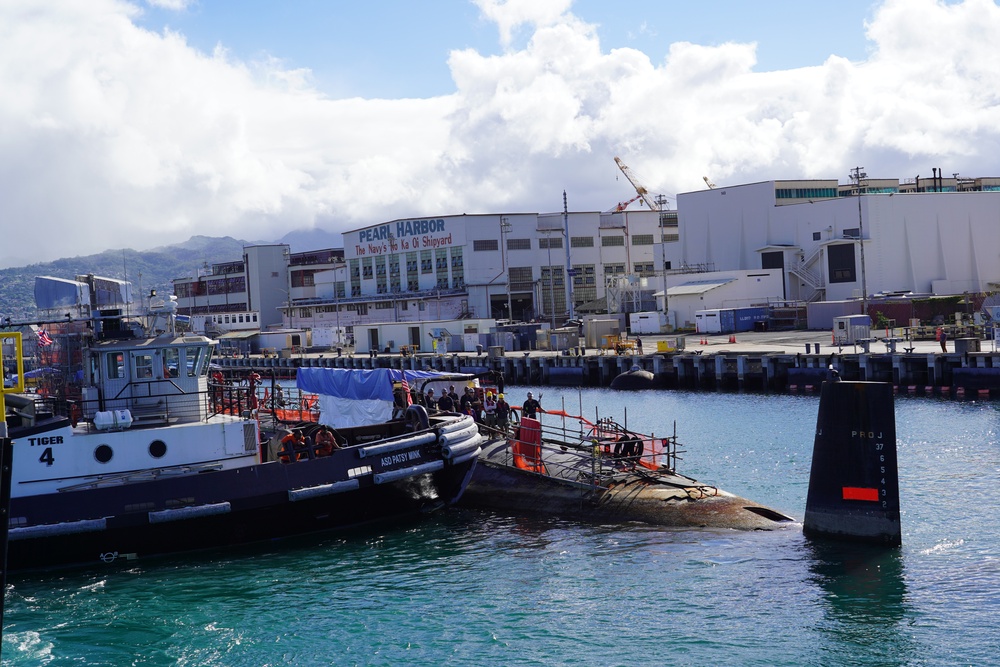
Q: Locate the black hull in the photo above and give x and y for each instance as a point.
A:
(217, 509)
(663, 498)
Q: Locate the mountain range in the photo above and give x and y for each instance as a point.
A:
(155, 268)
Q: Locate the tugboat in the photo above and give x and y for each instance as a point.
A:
(135, 452)
(603, 472)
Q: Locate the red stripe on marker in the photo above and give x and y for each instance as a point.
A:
(858, 493)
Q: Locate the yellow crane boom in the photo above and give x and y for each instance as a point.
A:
(639, 187)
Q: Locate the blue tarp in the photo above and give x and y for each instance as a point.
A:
(349, 397)
(356, 384)
(39, 372)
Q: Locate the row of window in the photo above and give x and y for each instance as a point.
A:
(804, 193)
(556, 242)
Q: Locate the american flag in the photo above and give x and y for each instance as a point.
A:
(406, 390)
(43, 338)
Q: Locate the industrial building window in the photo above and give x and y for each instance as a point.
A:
(610, 269)
(772, 260)
(817, 236)
(485, 245)
(426, 261)
(642, 239)
(668, 219)
(581, 242)
(456, 258)
(612, 241)
(518, 244)
(841, 263)
(644, 268)
(550, 242)
(670, 238)
(852, 233)
(804, 193)
(520, 276)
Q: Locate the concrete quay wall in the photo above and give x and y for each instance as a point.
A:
(746, 370)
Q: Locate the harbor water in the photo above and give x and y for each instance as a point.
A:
(466, 587)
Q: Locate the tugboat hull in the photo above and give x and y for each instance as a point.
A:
(216, 509)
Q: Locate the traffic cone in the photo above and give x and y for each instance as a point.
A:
(732, 338)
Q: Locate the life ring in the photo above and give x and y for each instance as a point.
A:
(416, 416)
(74, 414)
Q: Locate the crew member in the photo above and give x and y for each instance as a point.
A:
(466, 402)
(531, 407)
(446, 403)
(502, 413)
(429, 401)
(293, 447)
(490, 410)
(325, 441)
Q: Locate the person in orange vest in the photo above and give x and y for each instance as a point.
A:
(293, 447)
(325, 441)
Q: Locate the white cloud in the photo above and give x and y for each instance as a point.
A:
(112, 136)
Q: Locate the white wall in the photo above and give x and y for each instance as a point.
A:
(922, 242)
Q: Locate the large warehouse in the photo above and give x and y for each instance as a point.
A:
(500, 266)
(915, 239)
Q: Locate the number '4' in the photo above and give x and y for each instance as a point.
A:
(47, 457)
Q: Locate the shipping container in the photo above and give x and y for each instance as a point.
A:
(651, 322)
(747, 318)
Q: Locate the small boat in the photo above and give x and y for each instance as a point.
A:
(601, 471)
(140, 453)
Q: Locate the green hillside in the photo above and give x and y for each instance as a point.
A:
(149, 269)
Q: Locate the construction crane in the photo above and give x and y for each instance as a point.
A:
(624, 205)
(710, 184)
(640, 189)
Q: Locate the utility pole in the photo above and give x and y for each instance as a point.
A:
(858, 177)
(505, 228)
(569, 267)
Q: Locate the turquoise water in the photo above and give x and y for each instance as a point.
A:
(466, 587)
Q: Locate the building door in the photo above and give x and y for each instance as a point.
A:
(373, 339)
(415, 336)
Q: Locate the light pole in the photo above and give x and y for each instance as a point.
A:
(858, 178)
(552, 292)
(505, 228)
(569, 267)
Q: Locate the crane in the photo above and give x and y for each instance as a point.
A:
(710, 184)
(639, 187)
(624, 205)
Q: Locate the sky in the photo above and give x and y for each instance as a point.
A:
(141, 123)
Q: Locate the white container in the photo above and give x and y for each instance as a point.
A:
(117, 419)
(849, 329)
(708, 321)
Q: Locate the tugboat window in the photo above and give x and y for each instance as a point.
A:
(103, 453)
(143, 365)
(115, 366)
(171, 357)
(157, 449)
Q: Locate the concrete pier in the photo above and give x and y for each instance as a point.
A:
(767, 364)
